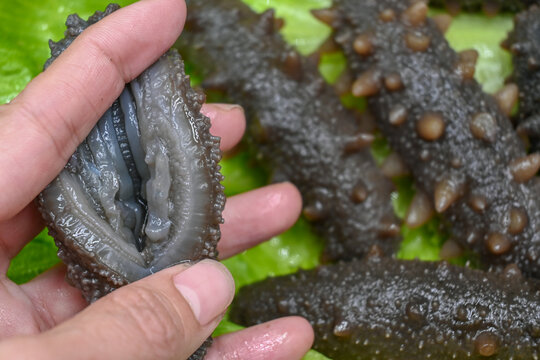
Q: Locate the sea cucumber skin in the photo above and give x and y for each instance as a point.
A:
(524, 44)
(382, 308)
(297, 123)
(460, 148)
(178, 173)
(477, 5)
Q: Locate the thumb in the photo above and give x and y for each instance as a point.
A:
(165, 316)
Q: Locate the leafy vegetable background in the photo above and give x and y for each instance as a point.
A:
(27, 25)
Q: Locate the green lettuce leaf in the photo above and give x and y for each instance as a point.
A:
(483, 34)
(35, 258)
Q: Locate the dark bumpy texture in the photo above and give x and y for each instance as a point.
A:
(391, 309)
(297, 123)
(489, 6)
(142, 191)
(524, 43)
(461, 149)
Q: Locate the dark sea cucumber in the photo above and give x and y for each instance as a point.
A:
(524, 43)
(382, 308)
(142, 192)
(297, 122)
(461, 149)
(490, 7)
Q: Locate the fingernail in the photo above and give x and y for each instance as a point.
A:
(208, 288)
(227, 107)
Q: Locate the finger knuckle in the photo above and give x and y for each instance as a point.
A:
(152, 320)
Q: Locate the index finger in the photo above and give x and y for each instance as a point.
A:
(42, 126)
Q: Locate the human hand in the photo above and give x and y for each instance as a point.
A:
(164, 316)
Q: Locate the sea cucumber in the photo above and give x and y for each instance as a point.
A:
(461, 149)
(490, 7)
(524, 43)
(382, 308)
(142, 192)
(297, 122)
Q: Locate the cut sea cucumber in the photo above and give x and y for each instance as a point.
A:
(142, 192)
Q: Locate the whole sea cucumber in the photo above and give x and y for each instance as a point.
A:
(461, 149)
(524, 43)
(490, 7)
(142, 192)
(381, 308)
(297, 122)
